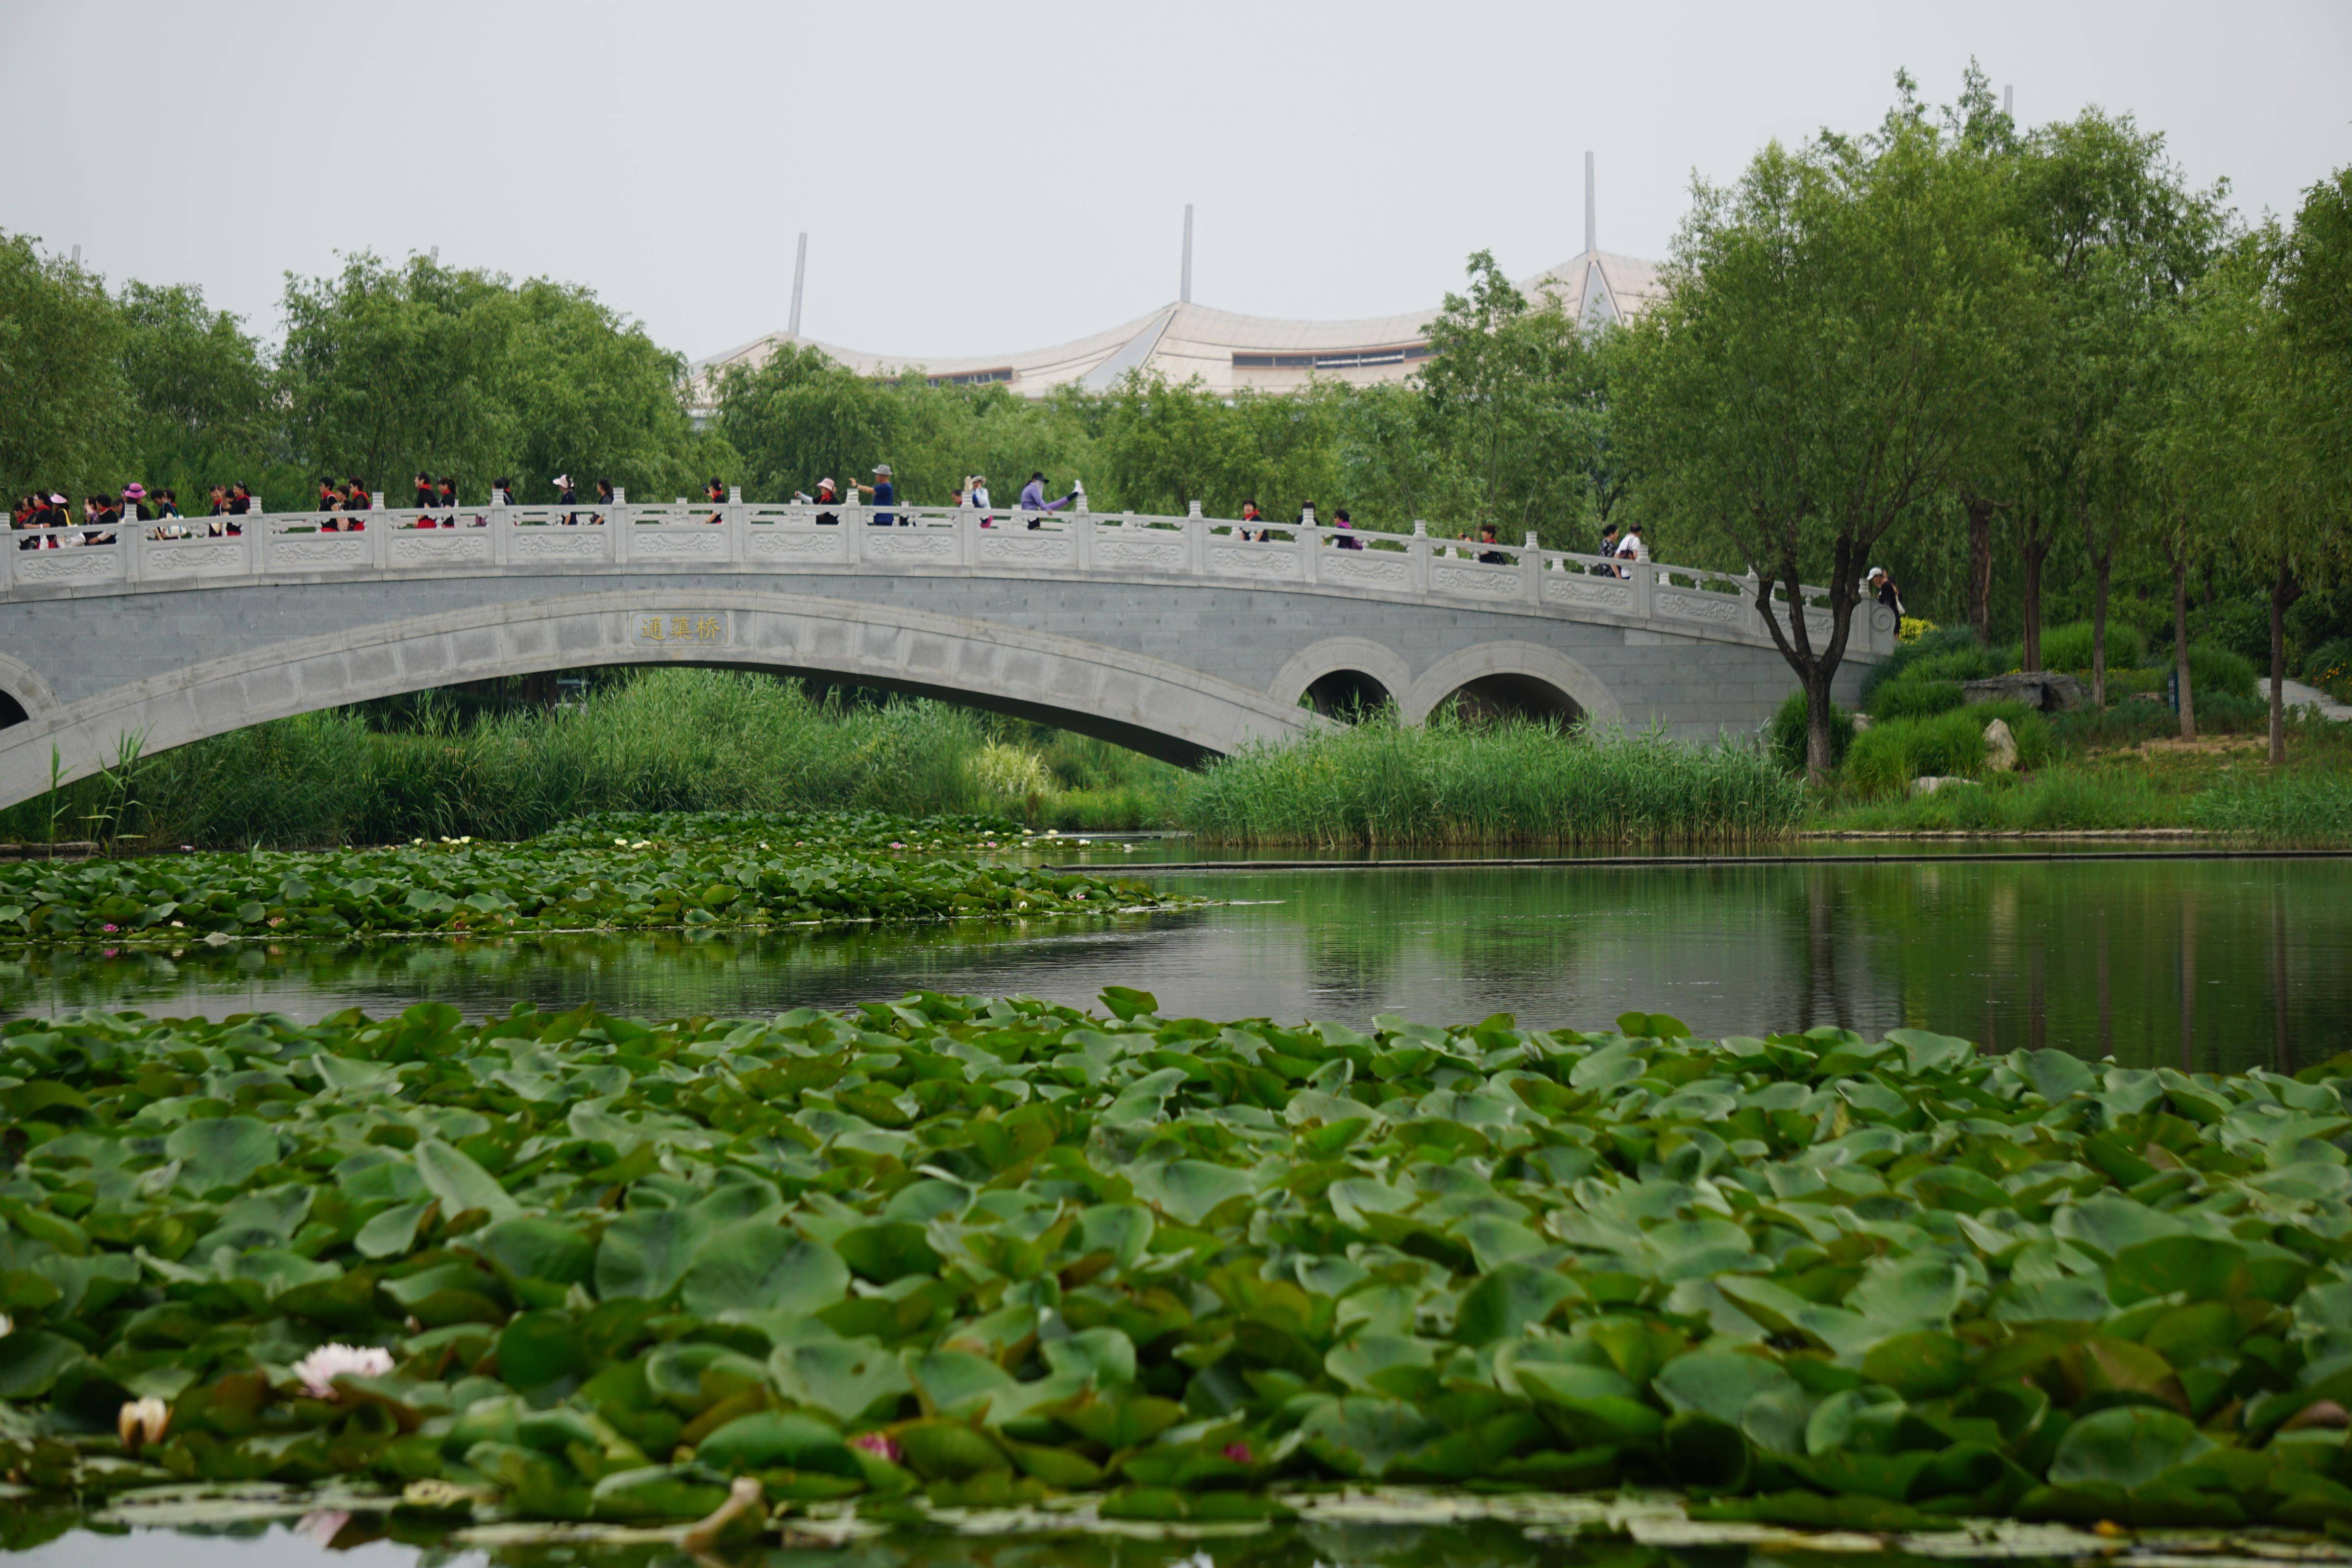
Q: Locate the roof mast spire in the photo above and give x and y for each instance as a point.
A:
(1591, 211)
(1185, 286)
(799, 272)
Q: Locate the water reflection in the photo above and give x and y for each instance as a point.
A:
(2199, 965)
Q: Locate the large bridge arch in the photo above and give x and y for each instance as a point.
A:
(1314, 666)
(1148, 703)
(1525, 660)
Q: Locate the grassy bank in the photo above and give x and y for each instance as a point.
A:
(1506, 783)
(667, 740)
(2120, 767)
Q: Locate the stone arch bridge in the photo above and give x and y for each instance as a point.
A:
(1176, 636)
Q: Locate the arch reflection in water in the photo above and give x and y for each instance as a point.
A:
(2206, 965)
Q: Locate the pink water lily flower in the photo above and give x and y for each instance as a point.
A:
(881, 1444)
(320, 1369)
(1239, 1453)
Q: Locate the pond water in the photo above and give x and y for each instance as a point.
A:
(2210, 964)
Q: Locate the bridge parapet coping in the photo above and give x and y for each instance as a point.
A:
(800, 537)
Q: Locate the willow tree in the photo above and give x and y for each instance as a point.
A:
(1835, 326)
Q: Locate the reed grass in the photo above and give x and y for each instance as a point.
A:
(1510, 782)
(670, 740)
(2312, 807)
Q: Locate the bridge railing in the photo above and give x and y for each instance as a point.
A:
(845, 534)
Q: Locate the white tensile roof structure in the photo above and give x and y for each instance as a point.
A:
(1228, 351)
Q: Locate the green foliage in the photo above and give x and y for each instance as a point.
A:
(611, 1264)
(64, 407)
(1785, 734)
(2220, 672)
(1955, 646)
(2303, 808)
(1915, 698)
(1449, 781)
(2069, 646)
(2330, 662)
(389, 370)
(621, 871)
(1888, 756)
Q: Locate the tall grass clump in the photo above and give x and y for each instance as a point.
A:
(2219, 671)
(2301, 808)
(2069, 646)
(1888, 756)
(1785, 734)
(1511, 781)
(1914, 699)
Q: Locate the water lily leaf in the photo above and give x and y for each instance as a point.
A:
(31, 1361)
(645, 1252)
(1506, 1301)
(2199, 1265)
(2056, 1076)
(1719, 1383)
(452, 1176)
(844, 1378)
(883, 1253)
(760, 1266)
(1362, 1437)
(536, 1348)
(220, 1153)
(1918, 1366)
(770, 1439)
(1188, 1191)
(941, 1450)
(534, 1248)
(2125, 1447)
(393, 1231)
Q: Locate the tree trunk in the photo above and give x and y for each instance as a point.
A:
(2180, 641)
(2103, 565)
(2036, 551)
(2284, 591)
(1821, 747)
(1981, 568)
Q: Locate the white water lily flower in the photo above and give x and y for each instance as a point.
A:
(8, 1325)
(142, 1421)
(320, 1369)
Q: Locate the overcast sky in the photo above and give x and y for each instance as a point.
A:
(985, 178)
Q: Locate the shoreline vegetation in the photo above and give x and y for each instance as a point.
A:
(952, 1253)
(448, 765)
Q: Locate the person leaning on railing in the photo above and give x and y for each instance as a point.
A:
(1033, 499)
(884, 493)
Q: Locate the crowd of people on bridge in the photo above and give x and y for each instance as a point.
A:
(47, 519)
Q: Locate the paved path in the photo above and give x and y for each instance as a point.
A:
(2298, 695)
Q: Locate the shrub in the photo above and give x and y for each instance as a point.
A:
(2219, 672)
(2331, 661)
(1911, 653)
(1958, 663)
(1886, 757)
(2069, 646)
(1914, 699)
(1786, 733)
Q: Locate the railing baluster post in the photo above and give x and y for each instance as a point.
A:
(378, 531)
(1196, 541)
(735, 524)
(1310, 553)
(1646, 589)
(1416, 571)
